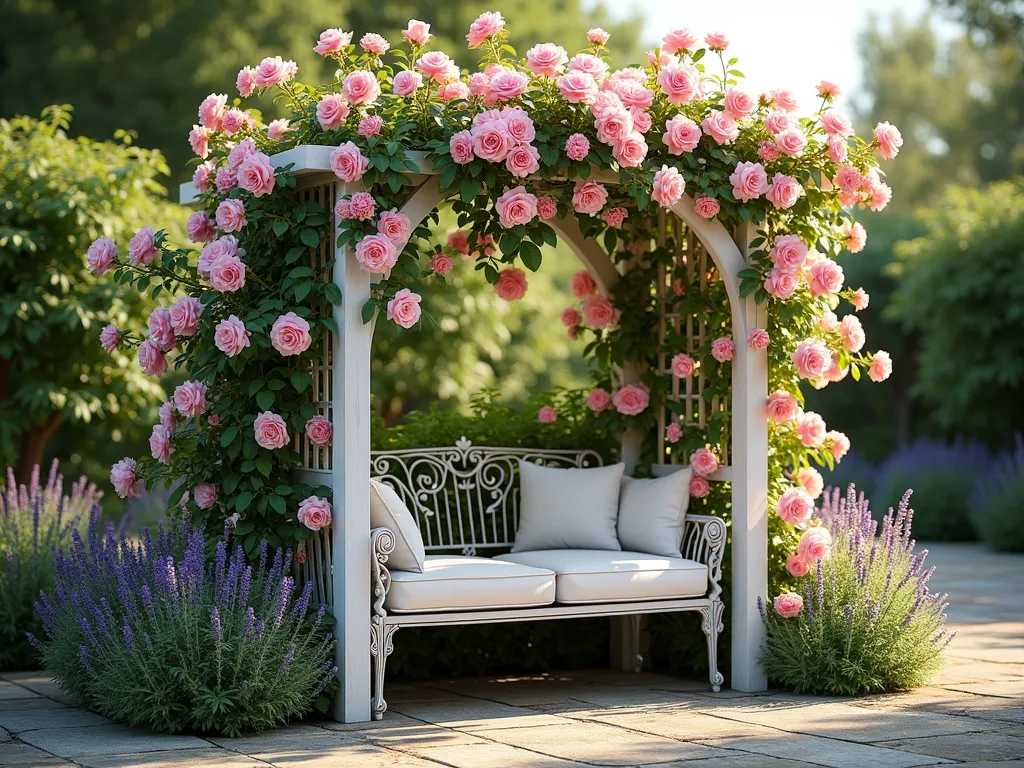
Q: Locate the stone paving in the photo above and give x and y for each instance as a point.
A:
(972, 714)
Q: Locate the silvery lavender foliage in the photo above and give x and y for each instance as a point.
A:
(155, 634)
(869, 622)
(942, 476)
(995, 505)
(34, 519)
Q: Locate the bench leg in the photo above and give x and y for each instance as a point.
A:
(625, 643)
(381, 646)
(711, 623)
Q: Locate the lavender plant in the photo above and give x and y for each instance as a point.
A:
(150, 634)
(863, 619)
(34, 521)
(995, 503)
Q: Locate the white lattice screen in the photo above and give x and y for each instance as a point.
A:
(692, 266)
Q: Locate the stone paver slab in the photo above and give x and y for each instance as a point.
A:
(410, 738)
(192, 758)
(4, 735)
(349, 756)
(106, 740)
(24, 705)
(470, 714)
(294, 738)
(1010, 689)
(33, 720)
(45, 686)
(518, 692)
(683, 725)
(488, 754)
(10, 691)
(737, 761)
(828, 752)
(25, 755)
(967, 747)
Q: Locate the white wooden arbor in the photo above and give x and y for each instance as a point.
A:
(343, 394)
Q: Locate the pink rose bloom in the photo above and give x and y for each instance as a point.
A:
(519, 124)
(230, 336)
(678, 40)
(848, 179)
(200, 228)
(160, 444)
(395, 226)
(838, 150)
(777, 122)
(404, 309)
(161, 332)
(642, 121)
(631, 151)
(592, 65)
(782, 407)
(492, 141)
(199, 140)
(749, 181)
(360, 206)
(348, 163)
(815, 544)
(546, 207)
(227, 274)
(256, 175)
(598, 400)
(582, 284)
(767, 151)
(598, 36)
(211, 110)
(274, 71)
(122, 477)
(570, 316)
(707, 207)
(577, 87)
(881, 366)
(458, 241)
(204, 495)
(101, 254)
(669, 187)
(810, 428)
(589, 197)
(889, 140)
(142, 248)
(812, 358)
(797, 566)
(811, 481)
(682, 366)
(290, 335)
(151, 359)
(231, 215)
(784, 100)
(168, 416)
(860, 300)
(547, 415)
(840, 444)
(226, 179)
(201, 176)
(417, 32)
(315, 513)
(613, 124)
(788, 606)
(828, 321)
(781, 284)
(827, 89)
(789, 252)
(370, 126)
(373, 43)
(508, 84)
(855, 235)
(486, 26)
(219, 248)
(673, 432)
(614, 217)
(826, 278)
(631, 400)
(331, 111)
(461, 147)
(376, 253)
(441, 263)
(270, 430)
(577, 147)
(511, 284)
(522, 161)
(739, 103)
(605, 99)
(184, 316)
(332, 41)
(360, 87)
(680, 83)
(109, 337)
(757, 339)
(319, 431)
(406, 83)
(598, 312)
(704, 462)
(246, 81)
(453, 91)
(516, 206)
(795, 506)
(791, 142)
(190, 399)
(234, 121)
(784, 191)
(721, 127)
(881, 194)
(853, 334)
(699, 487)
(835, 124)
(435, 65)
(479, 84)
(716, 41)
(722, 350)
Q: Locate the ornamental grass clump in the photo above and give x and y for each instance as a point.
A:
(863, 620)
(35, 520)
(995, 503)
(150, 634)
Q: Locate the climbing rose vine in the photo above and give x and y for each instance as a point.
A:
(513, 144)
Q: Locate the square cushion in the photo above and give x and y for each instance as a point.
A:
(567, 508)
(652, 513)
(598, 576)
(387, 510)
(457, 583)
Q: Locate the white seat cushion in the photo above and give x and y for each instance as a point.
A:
(600, 576)
(457, 583)
(387, 510)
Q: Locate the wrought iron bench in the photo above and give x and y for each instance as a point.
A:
(465, 501)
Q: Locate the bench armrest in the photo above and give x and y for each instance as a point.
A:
(704, 542)
(382, 544)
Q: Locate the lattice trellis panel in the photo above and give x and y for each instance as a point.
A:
(323, 368)
(691, 268)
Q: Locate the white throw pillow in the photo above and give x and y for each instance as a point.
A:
(567, 508)
(387, 510)
(652, 513)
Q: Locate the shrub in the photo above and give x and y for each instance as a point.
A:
(151, 635)
(866, 621)
(35, 521)
(942, 476)
(995, 503)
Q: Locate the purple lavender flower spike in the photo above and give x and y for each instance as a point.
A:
(126, 630)
(302, 604)
(250, 619)
(215, 624)
(289, 657)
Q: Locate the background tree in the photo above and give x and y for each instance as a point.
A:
(56, 196)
